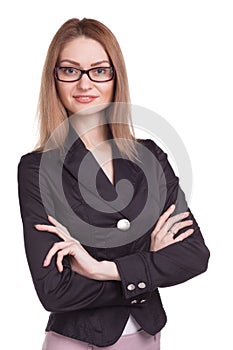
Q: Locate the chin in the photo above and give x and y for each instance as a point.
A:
(91, 109)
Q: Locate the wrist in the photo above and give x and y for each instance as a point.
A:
(107, 270)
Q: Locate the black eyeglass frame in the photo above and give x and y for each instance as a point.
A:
(84, 71)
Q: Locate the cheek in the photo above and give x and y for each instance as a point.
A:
(108, 92)
(63, 92)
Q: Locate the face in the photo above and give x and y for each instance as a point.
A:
(84, 53)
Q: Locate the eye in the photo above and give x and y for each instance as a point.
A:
(69, 70)
(101, 74)
(100, 71)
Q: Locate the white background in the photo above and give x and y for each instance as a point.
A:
(179, 58)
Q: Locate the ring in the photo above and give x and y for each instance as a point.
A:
(170, 231)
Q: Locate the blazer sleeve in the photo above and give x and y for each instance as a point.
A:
(173, 264)
(58, 292)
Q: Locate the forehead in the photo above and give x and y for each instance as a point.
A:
(84, 51)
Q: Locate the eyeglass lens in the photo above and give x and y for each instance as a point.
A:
(95, 74)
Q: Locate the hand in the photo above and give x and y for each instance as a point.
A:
(166, 228)
(81, 261)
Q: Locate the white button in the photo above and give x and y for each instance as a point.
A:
(142, 301)
(123, 224)
(141, 285)
(131, 286)
(134, 301)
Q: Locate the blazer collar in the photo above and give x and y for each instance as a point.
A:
(83, 166)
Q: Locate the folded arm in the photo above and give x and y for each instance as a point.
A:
(57, 291)
(145, 271)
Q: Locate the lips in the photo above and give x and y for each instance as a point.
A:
(85, 98)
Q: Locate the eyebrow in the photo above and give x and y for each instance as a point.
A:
(78, 64)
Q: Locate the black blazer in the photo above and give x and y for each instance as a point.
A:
(75, 190)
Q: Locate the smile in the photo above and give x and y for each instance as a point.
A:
(85, 98)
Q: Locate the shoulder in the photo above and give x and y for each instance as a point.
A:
(31, 170)
(30, 160)
(34, 167)
(157, 151)
(31, 156)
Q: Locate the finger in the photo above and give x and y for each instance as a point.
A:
(178, 226)
(61, 254)
(42, 227)
(164, 217)
(55, 222)
(56, 247)
(184, 235)
(176, 218)
(64, 234)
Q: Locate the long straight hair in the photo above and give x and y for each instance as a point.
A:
(52, 113)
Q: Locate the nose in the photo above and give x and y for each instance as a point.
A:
(85, 83)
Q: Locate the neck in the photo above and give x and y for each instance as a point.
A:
(92, 129)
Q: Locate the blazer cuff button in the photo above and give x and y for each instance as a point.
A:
(131, 287)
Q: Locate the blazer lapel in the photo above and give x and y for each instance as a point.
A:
(90, 177)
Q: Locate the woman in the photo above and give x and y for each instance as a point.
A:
(98, 248)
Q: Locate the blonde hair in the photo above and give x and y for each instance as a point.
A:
(52, 113)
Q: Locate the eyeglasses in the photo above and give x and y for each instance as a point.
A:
(97, 74)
